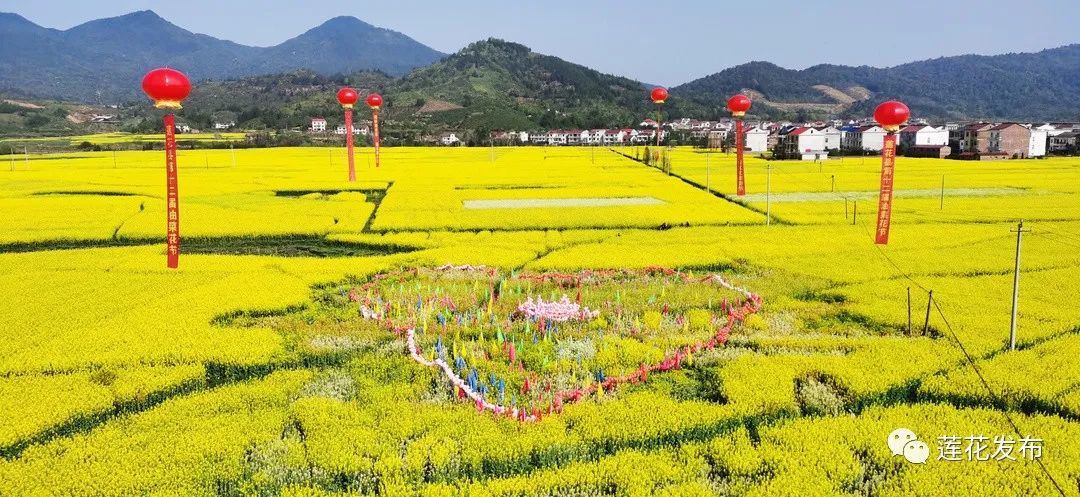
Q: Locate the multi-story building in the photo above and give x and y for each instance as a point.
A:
(1008, 140)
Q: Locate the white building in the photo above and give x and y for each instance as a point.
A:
(1037, 143)
(357, 130)
(225, 125)
(756, 139)
(523, 137)
(802, 142)
(577, 136)
(557, 137)
(932, 135)
(645, 136)
(850, 137)
(596, 136)
(832, 137)
(872, 137)
(920, 135)
(616, 136)
(540, 137)
(449, 139)
(318, 124)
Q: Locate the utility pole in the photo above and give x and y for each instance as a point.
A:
(854, 211)
(909, 311)
(942, 206)
(926, 324)
(1016, 286)
(708, 186)
(768, 194)
(833, 183)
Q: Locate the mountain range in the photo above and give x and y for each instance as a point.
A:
(496, 84)
(104, 60)
(1041, 85)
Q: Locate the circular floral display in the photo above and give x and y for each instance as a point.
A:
(524, 344)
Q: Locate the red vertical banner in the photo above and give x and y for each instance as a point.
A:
(375, 125)
(659, 124)
(172, 196)
(349, 143)
(888, 163)
(739, 169)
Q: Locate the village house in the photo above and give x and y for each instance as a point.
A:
(449, 139)
(225, 125)
(1037, 142)
(646, 136)
(850, 138)
(970, 138)
(318, 125)
(1008, 140)
(596, 136)
(557, 137)
(616, 136)
(756, 139)
(923, 135)
(1063, 143)
(540, 137)
(716, 138)
(357, 130)
(871, 138)
(832, 137)
(801, 143)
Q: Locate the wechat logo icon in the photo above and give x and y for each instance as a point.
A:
(904, 442)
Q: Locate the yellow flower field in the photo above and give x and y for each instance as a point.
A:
(248, 370)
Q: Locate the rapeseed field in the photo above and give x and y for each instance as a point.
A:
(274, 360)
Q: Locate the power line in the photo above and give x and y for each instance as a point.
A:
(994, 396)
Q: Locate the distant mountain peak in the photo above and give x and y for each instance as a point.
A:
(101, 58)
(345, 22)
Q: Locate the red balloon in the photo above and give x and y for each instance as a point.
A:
(374, 100)
(891, 114)
(347, 97)
(659, 95)
(166, 87)
(739, 104)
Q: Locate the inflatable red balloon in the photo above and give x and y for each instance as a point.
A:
(374, 100)
(347, 97)
(890, 115)
(659, 95)
(738, 104)
(166, 87)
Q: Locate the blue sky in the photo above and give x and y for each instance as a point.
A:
(682, 41)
